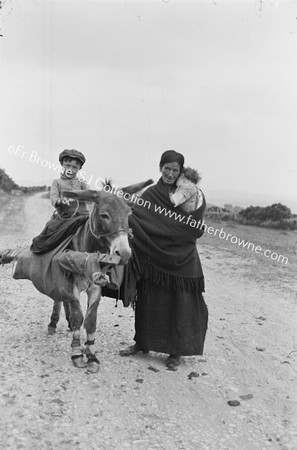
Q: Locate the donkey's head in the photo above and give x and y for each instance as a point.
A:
(108, 223)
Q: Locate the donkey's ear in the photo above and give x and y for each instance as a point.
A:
(133, 188)
(88, 195)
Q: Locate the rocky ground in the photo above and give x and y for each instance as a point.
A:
(241, 394)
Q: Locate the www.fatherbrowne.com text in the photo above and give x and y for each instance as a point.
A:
(189, 220)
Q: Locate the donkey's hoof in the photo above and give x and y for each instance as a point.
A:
(51, 330)
(93, 367)
(78, 361)
(93, 363)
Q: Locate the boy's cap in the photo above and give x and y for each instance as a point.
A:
(72, 154)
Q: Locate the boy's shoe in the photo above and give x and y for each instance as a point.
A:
(8, 255)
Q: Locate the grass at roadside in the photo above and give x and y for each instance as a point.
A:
(279, 241)
(223, 256)
(4, 198)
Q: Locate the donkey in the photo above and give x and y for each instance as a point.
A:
(106, 231)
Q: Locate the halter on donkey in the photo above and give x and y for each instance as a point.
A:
(107, 232)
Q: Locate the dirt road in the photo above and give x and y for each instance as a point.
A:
(135, 403)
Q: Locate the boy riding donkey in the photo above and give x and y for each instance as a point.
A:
(61, 223)
(69, 215)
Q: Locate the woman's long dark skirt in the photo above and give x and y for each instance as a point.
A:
(173, 322)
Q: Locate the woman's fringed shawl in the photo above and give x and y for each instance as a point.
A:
(164, 246)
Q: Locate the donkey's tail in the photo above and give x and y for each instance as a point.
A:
(8, 255)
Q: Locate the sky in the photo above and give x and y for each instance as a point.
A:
(123, 81)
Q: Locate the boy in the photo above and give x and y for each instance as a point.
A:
(71, 161)
(187, 194)
(70, 214)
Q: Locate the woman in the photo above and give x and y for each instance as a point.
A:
(165, 270)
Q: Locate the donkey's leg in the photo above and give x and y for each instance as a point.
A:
(54, 318)
(76, 318)
(67, 310)
(94, 295)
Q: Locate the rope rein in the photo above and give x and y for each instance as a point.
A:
(76, 209)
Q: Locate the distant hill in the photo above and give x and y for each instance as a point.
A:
(8, 185)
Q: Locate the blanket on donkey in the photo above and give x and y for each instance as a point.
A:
(51, 273)
(56, 232)
(45, 271)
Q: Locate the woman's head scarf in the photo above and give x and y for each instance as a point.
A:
(172, 156)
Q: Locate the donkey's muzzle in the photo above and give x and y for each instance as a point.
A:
(124, 256)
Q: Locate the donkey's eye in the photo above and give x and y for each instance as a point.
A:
(104, 216)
